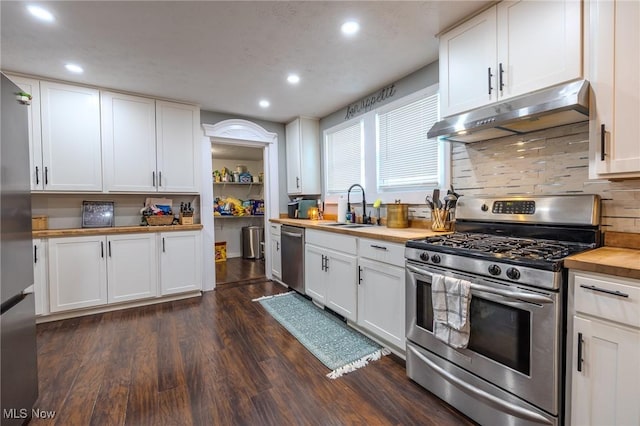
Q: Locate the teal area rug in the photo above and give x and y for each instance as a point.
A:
(338, 346)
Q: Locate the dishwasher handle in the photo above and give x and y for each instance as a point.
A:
(291, 234)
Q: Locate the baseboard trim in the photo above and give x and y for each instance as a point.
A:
(115, 307)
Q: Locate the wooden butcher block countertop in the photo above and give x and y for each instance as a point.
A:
(620, 256)
(78, 232)
(394, 235)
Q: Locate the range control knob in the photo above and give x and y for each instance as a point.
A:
(435, 258)
(513, 273)
(424, 256)
(484, 207)
(494, 270)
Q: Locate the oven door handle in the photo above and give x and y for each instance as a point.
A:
(526, 297)
(486, 397)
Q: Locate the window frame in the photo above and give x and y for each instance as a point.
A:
(369, 147)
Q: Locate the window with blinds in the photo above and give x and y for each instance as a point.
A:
(343, 158)
(406, 157)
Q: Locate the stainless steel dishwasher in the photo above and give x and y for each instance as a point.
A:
(292, 239)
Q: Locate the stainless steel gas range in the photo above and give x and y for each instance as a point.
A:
(511, 251)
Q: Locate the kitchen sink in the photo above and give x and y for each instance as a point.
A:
(336, 224)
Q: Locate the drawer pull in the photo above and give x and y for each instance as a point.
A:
(378, 247)
(604, 290)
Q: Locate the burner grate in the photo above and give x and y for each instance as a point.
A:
(508, 247)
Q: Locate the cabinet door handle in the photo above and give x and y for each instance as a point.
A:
(37, 176)
(109, 248)
(297, 182)
(163, 250)
(46, 175)
(501, 73)
(379, 247)
(580, 359)
(489, 75)
(35, 254)
(326, 263)
(277, 246)
(101, 249)
(359, 275)
(153, 177)
(322, 263)
(602, 143)
(159, 178)
(604, 290)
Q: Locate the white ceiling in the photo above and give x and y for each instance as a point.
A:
(225, 56)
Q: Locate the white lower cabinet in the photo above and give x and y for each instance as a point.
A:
(180, 262)
(330, 275)
(605, 351)
(40, 277)
(77, 272)
(381, 290)
(132, 267)
(91, 271)
(276, 256)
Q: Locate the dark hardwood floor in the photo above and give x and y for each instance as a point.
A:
(237, 271)
(216, 360)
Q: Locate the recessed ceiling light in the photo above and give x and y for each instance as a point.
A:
(76, 69)
(40, 13)
(350, 27)
(293, 79)
(264, 103)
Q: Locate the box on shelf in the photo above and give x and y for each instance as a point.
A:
(258, 207)
(221, 251)
(39, 223)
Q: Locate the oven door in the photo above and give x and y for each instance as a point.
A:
(514, 341)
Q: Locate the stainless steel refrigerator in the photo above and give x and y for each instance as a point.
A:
(18, 352)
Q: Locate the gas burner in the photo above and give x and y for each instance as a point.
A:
(520, 250)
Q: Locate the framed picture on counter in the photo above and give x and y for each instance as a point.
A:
(97, 214)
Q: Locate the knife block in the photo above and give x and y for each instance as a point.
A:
(186, 219)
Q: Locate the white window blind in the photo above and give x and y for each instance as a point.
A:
(406, 158)
(343, 158)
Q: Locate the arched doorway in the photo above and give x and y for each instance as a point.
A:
(240, 133)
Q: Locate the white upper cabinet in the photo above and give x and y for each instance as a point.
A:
(539, 44)
(129, 142)
(614, 74)
(303, 157)
(468, 65)
(32, 87)
(177, 151)
(149, 145)
(71, 148)
(512, 48)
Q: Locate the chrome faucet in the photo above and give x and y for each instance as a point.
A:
(365, 219)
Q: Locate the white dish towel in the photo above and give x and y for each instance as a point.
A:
(451, 298)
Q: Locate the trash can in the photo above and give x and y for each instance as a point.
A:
(252, 242)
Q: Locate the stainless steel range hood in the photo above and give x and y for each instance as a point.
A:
(556, 106)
